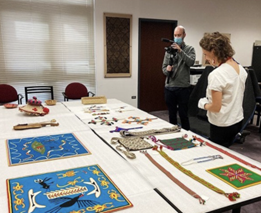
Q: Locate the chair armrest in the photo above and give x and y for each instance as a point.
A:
(65, 96)
(91, 93)
(20, 97)
(258, 99)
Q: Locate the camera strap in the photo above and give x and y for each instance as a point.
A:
(175, 70)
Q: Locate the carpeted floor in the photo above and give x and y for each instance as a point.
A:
(250, 148)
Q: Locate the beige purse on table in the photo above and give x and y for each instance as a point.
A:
(130, 144)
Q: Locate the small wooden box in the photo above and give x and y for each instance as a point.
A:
(94, 100)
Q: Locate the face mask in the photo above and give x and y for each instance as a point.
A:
(178, 40)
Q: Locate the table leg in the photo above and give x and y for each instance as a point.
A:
(236, 210)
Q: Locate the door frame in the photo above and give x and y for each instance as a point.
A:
(141, 20)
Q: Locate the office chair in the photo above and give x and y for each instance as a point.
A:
(76, 90)
(251, 93)
(258, 97)
(9, 94)
(198, 118)
(38, 89)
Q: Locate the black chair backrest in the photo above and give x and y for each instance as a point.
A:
(252, 91)
(199, 91)
(198, 117)
(38, 89)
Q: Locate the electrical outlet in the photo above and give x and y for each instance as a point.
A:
(133, 97)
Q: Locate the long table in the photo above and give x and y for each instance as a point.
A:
(134, 186)
(148, 188)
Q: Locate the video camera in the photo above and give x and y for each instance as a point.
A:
(169, 49)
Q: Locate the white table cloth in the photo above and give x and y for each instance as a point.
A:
(135, 177)
(130, 182)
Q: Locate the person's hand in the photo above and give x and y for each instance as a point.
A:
(169, 68)
(176, 46)
(202, 102)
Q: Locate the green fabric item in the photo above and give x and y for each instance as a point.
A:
(177, 143)
(236, 176)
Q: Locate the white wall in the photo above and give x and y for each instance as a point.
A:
(242, 19)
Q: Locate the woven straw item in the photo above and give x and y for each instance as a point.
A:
(94, 100)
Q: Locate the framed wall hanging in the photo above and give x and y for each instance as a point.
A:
(117, 45)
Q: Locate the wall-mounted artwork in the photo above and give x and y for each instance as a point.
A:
(204, 61)
(117, 45)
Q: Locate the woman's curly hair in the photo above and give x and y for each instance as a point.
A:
(219, 43)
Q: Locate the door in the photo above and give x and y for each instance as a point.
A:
(151, 53)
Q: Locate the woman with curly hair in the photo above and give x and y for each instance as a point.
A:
(225, 90)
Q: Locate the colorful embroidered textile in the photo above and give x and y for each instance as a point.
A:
(84, 189)
(236, 176)
(175, 180)
(178, 143)
(101, 113)
(96, 109)
(49, 147)
(151, 132)
(138, 120)
(103, 120)
(118, 129)
(225, 152)
(173, 143)
(231, 196)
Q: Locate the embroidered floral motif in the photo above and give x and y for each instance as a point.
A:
(233, 174)
(195, 177)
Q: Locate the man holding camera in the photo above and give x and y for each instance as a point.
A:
(176, 66)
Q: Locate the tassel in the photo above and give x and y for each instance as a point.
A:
(232, 196)
(201, 200)
(155, 148)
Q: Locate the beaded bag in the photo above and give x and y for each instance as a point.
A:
(130, 144)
